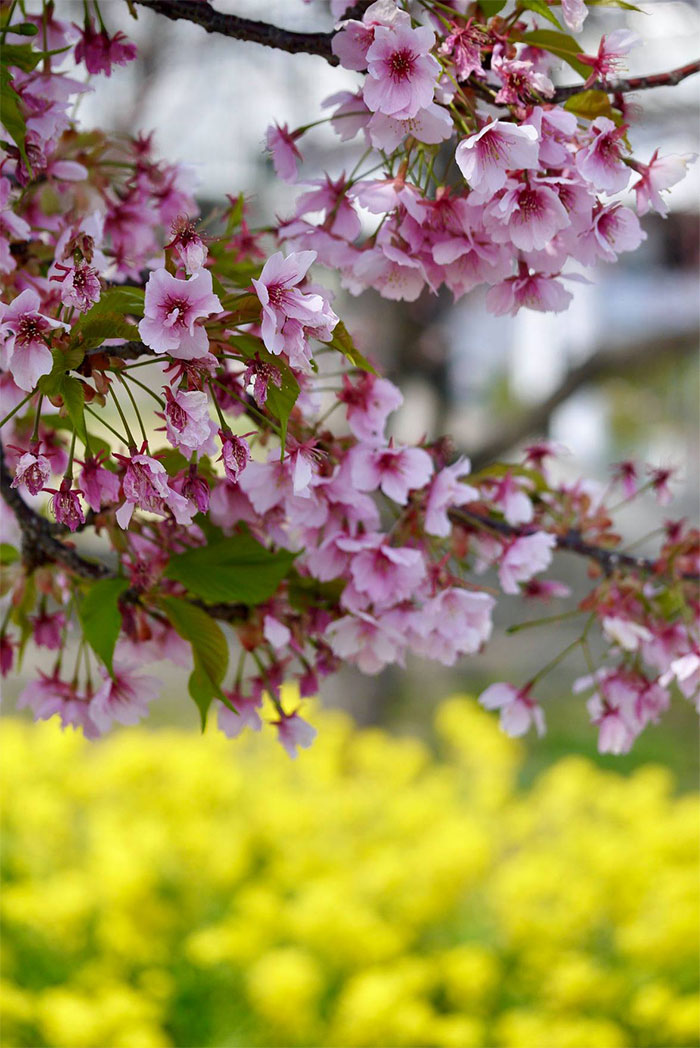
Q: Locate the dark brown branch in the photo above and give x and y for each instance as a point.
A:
(39, 545)
(602, 365)
(212, 21)
(571, 541)
(636, 83)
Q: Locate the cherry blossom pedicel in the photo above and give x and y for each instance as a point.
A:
(240, 525)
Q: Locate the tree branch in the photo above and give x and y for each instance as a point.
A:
(571, 541)
(636, 83)
(598, 367)
(39, 545)
(202, 14)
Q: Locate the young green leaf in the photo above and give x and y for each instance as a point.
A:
(209, 650)
(560, 44)
(540, 7)
(591, 104)
(73, 394)
(342, 341)
(235, 570)
(492, 7)
(100, 617)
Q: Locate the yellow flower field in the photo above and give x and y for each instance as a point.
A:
(167, 889)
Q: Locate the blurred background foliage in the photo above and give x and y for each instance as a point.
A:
(166, 889)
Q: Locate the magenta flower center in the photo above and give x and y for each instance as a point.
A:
(30, 329)
(277, 295)
(401, 64)
(176, 312)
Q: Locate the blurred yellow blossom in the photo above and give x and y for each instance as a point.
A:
(162, 889)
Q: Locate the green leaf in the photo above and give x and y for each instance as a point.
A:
(73, 394)
(244, 308)
(500, 469)
(25, 56)
(560, 44)
(236, 569)
(8, 554)
(106, 318)
(280, 400)
(12, 116)
(100, 617)
(590, 104)
(342, 341)
(492, 7)
(540, 8)
(63, 362)
(615, 3)
(209, 650)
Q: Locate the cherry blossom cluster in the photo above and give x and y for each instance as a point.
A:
(173, 489)
(478, 175)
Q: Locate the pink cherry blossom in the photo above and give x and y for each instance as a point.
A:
(195, 489)
(528, 215)
(369, 402)
(456, 622)
(49, 696)
(484, 158)
(275, 632)
(522, 83)
(146, 485)
(659, 481)
(431, 124)
(364, 640)
(32, 472)
(172, 308)
(235, 455)
(25, 353)
(659, 174)
(286, 157)
(509, 497)
(600, 162)
(446, 491)
(575, 14)
(12, 227)
(188, 245)
(626, 633)
(247, 716)
(615, 229)
(535, 290)
(351, 43)
(100, 51)
(463, 44)
(286, 310)
(525, 557)
(381, 574)
(65, 505)
(686, 673)
(7, 654)
(614, 732)
(402, 72)
(612, 48)
(293, 732)
(99, 485)
(519, 712)
(80, 285)
(123, 698)
(48, 629)
(395, 470)
(188, 425)
(329, 196)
